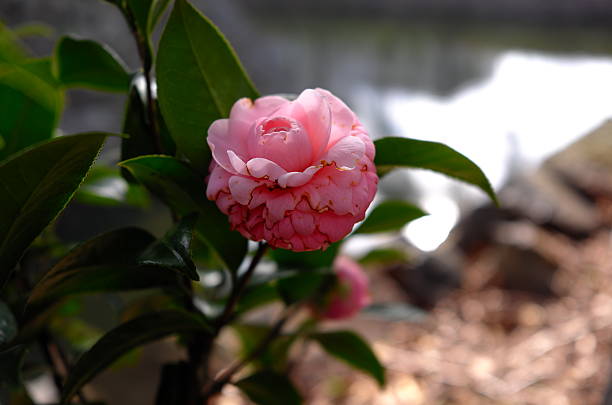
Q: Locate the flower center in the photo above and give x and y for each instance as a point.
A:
(277, 127)
(278, 124)
(283, 140)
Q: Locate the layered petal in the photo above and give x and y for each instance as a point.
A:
(347, 153)
(343, 118)
(313, 112)
(297, 174)
(282, 140)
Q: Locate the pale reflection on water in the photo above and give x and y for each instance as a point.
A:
(530, 107)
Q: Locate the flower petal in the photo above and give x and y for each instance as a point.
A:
(343, 117)
(217, 181)
(264, 169)
(297, 179)
(312, 110)
(346, 153)
(237, 164)
(241, 188)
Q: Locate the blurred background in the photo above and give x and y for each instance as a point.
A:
(509, 305)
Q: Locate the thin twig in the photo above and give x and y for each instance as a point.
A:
(58, 362)
(147, 64)
(239, 286)
(226, 375)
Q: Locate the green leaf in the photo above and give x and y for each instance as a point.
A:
(157, 9)
(317, 259)
(199, 79)
(8, 325)
(126, 337)
(109, 262)
(36, 185)
(183, 190)
(136, 125)
(11, 50)
(276, 355)
(257, 296)
(304, 285)
(86, 63)
(31, 105)
(139, 10)
(384, 256)
(174, 249)
(389, 216)
(104, 186)
(353, 350)
(269, 388)
(404, 152)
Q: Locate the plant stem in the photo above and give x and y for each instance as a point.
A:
(226, 375)
(239, 286)
(201, 346)
(147, 64)
(58, 362)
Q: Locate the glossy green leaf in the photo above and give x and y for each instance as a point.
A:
(109, 262)
(389, 216)
(31, 105)
(184, 191)
(305, 285)
(8, 325)
(174, 249)
(126, 337)
(353, 350)
(139, 140)
(199, 79)
(404, 152)
(36, 185)
(269, 388)
(105, 186)
(317, 259)
(86, 63)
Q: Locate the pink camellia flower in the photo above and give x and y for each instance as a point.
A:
(297, 174)
(349, 295)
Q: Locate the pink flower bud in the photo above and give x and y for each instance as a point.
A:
(349, 295)
(297, 174)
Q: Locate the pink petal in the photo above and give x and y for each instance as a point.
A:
(241, 188)
(245, 112)
(312, 110)
(346, 153)
(334, 226)
(264, 168)
(297, 179)
(217, 182)
(278, 206)
(343, 117)
(219, 142)
(282, 140)
(303, 223)
(237, 164)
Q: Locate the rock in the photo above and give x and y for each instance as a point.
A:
(429, 280)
